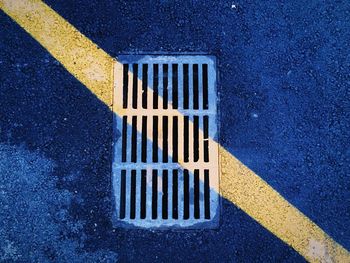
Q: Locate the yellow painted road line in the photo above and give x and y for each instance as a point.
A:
(93, 67)
(80, 56)
(253, 195)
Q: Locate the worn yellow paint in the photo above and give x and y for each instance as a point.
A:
(253, 195)
(93, 67)
(79, 55)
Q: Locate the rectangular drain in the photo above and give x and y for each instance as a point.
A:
(165, 170)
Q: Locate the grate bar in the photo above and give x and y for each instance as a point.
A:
(161, 165)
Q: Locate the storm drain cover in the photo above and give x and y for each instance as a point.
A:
(165, 166)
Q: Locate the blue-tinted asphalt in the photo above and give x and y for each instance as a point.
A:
(284, 107)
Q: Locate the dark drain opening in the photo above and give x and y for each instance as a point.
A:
(175, 194)
(155, 139)
(124, 138)
(165, 86)
(154, 194)
(123, 194)
(155, 86)
(196, 194)
(165, 195)
(144, 139)
(186, 195)
(195, 138)
(195, 87)
(186, 139)
(144, 85)
(143, 193)
(133, 195)
(175, 139)
(134, 139)
(175, 86)
(125, 85)
(165, 139)
(185, 87)
(206, 138)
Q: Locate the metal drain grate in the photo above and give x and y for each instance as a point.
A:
(165, 170)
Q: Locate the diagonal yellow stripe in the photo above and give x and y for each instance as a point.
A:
(248, 191)
(80, 56)
(93, 67)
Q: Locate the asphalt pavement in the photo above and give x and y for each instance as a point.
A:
(283, 88)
